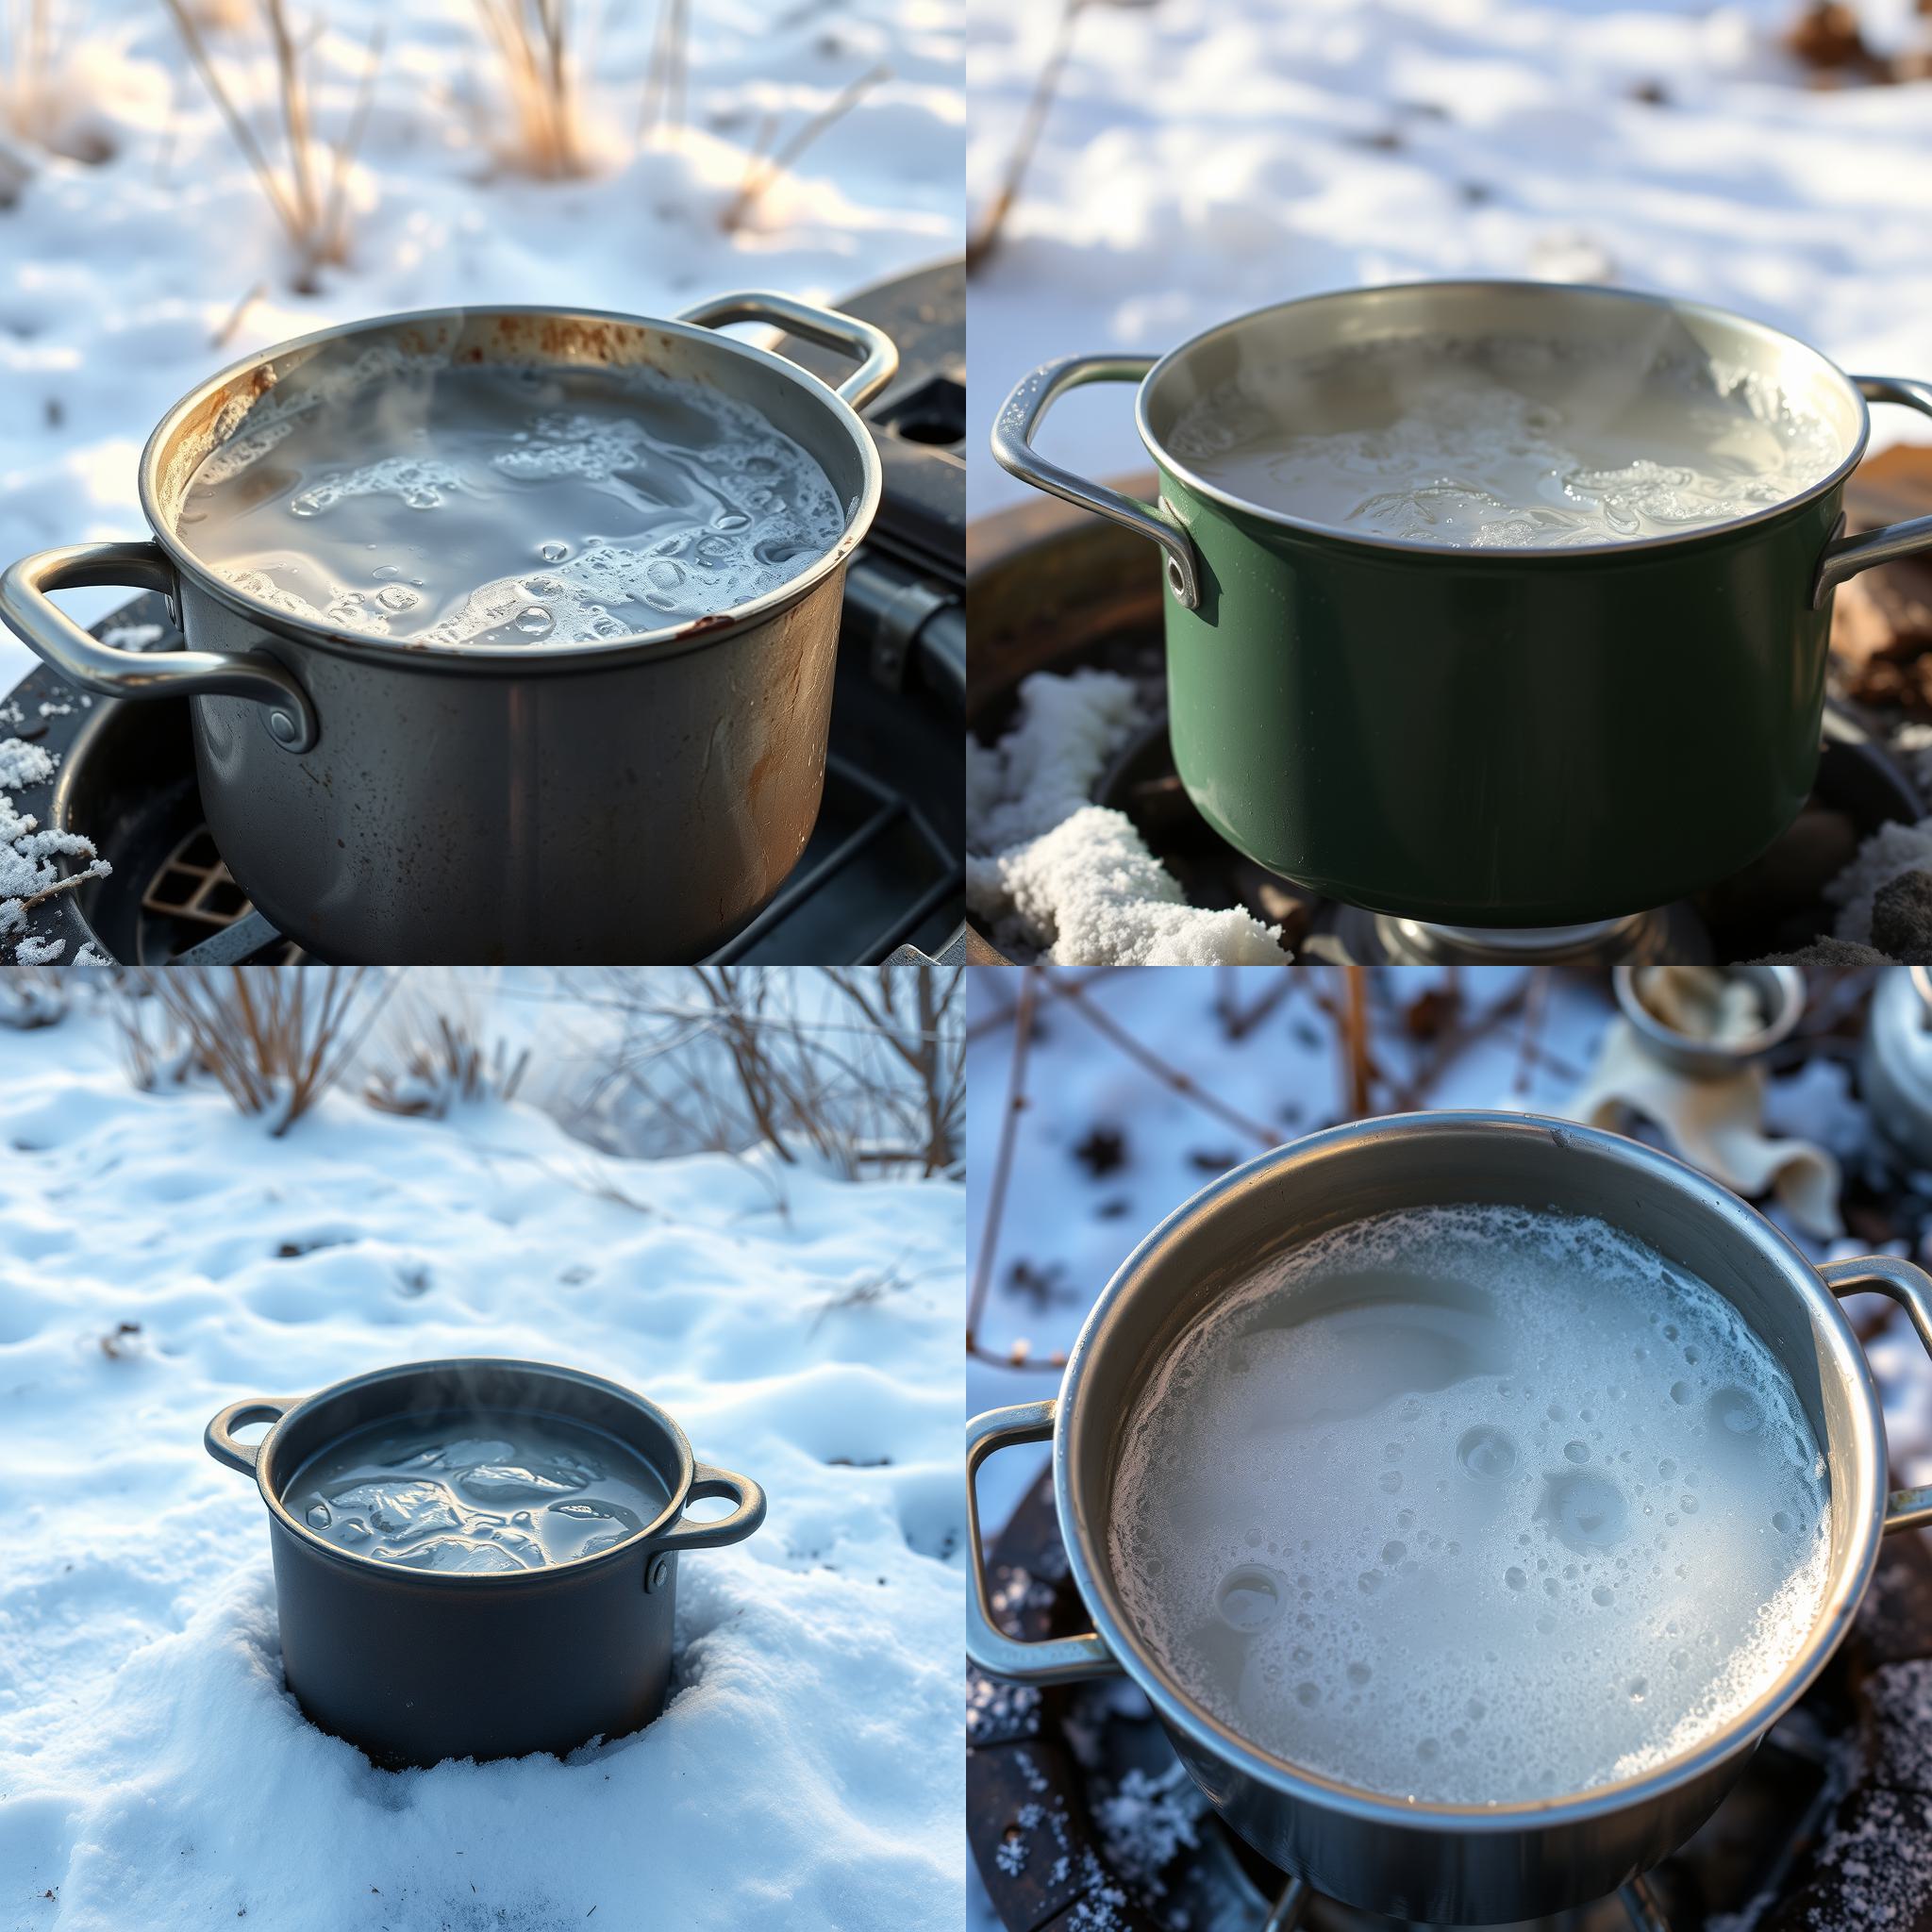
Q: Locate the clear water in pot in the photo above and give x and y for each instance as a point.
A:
(487, 505)
(485, 1491)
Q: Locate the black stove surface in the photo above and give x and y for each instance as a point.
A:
(882, 869)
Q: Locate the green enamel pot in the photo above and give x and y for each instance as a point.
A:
(1496, 737)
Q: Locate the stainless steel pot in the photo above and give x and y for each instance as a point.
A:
(1488, 737)
(636, 799)
(1449, 1863)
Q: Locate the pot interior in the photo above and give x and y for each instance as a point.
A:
(1601, 344)
(387, 374)
(413, 1398)
(1289, 1198)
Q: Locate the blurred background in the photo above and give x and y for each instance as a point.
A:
(1140, 169)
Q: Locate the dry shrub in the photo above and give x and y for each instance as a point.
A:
(864, 1069)
(309, 188)
(31, 997)
(275, 1039)
(444, 1066)
(536, 41)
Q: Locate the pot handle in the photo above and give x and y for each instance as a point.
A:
(831, 328)
(1912, 1288)
(218, 1439)
(84, 659)
(733, 1528)
(1012, 446)
(1845, 557)
(1054, 1659)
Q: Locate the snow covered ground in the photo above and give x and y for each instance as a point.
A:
(120, 277)
(1206, 156)
(160, 1256)
(1105, 1150)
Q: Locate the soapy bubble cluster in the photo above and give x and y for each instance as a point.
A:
(1502, 443)
(453, 507)
(1471, 1505)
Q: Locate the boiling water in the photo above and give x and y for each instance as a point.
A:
(1472, 1505)
(486, 1490)
(1501, 442)
(453, 506)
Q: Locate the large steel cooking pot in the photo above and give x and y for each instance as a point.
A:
(414, 1665)
(1434, 1862)
(634, 799)
(1489, 737)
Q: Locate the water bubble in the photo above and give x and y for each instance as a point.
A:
(1680, 1394)
(1359, 1673)
(1393, 1553)
(1249, 1598)
(1389, 1480)
(319, 1517)
(1515, 1579)
(1485, 1453)
(1576, 1452)
(1733, 1411)
(1307, 1692)
(1585, 1511)
(533, 622)
(553, 551)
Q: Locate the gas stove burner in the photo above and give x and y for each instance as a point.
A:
(1055, 589)
(1671, 933)
(1079, 1814)
(882, 873)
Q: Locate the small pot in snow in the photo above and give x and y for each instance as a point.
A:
(417, 1665)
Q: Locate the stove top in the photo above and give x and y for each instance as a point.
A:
(882, 871)
(1052, 588)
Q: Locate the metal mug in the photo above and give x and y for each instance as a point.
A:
(1439, 1863)
(1486, 737)
(630, 800)
(392, 1659)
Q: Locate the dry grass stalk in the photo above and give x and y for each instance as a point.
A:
(308, 193)
(667, 77)
(28, 58)
(765, 168)
(534, 39)
(31, 997)
(986, 238)
(275, 1039)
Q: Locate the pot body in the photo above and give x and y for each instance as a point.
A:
(619, 812)
(1530, 741)
(1493, 737)
(1443, 1863)
(414, 1666)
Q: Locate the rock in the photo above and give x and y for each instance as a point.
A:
(1902, 918)
(1828, 952)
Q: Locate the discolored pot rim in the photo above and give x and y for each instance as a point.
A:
(575, 334)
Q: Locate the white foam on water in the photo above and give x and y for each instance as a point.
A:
(489, 505)
(1503, 443)
(1471, 1505)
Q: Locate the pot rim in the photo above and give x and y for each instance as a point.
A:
(1846, 1584)
(1512, 556)
(492, 1579)
(714, 627)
